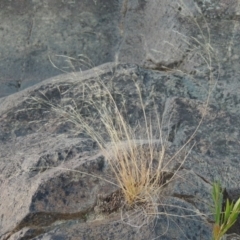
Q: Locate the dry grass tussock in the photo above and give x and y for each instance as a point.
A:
(135, 150)
(135, 156)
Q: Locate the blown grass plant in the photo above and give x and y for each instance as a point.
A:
(135, 158)
(135, 146)
(223, 220)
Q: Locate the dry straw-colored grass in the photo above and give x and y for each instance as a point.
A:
(136, 152)
(135, 160)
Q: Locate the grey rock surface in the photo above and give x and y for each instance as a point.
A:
(183, 55)
(43, 158)
(41, 39)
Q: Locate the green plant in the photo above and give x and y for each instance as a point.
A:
(223, 221)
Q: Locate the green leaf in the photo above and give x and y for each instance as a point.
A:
(228, 210)
(237, 206)
(223, 221)
(217, 197)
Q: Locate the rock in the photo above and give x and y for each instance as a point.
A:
(42, 39)
(182, 57)
(53, 175)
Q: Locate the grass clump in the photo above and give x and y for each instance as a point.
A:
(134, 146)
(132, 141)
(134, 154)
(223, 221)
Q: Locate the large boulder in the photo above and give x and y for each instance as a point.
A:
(181, 57)
(57, 184)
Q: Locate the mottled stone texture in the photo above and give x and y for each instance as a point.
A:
(183, 55)
(41, 39)
(43, 161)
